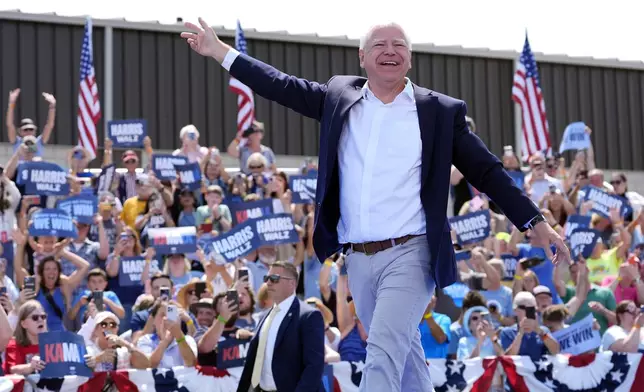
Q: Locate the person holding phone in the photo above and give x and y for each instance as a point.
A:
(626, 335)
(214, 212)
(27, 126)
(479, 338)
(109, 210)
(527, 337)
(190, 147)
(252, 143)
(167, 346)
(96, 283)
(154, 216)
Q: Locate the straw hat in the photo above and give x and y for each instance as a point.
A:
(181, 295)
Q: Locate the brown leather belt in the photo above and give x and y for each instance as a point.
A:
(371, 248)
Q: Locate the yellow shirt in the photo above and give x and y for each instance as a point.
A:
(605, 265)
(132, 208)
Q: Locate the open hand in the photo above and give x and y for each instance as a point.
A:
(202, 40)
(13, 95)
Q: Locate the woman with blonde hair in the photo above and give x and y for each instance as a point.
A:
(22, 353)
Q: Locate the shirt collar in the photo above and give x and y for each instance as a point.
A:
(286, 304)
(407, 91)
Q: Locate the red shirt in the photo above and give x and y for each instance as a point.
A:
(16, 354)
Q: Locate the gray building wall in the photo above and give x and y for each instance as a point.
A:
(157, 77)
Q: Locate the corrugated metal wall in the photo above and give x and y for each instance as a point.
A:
(157, 77)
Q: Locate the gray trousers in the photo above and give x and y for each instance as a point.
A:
(391, 290)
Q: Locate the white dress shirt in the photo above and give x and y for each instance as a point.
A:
(379, 157)
(266, 381)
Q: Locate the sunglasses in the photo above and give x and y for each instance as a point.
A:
(111, 324)
(537, 166)
(275, 278)
(616, 182)
(36, 317)
(475, 318)
(192, 292)
(129, 161)
(255, 166)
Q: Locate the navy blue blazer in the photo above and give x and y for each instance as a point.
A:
(446, 141)
(298, 357)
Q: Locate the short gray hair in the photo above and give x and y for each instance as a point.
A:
(365, 38)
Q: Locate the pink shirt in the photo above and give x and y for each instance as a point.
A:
(625, 293)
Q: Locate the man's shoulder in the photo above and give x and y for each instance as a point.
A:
(446, 100)
(341, 81)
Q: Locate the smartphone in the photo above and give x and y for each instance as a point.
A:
(98, 300)
(476, 283)
(164, 293)
(200, 288)
(29, 283)
(78, 154)
(531, 262)
(192, 136)
(242, 273)
(531, 312)
(172, 313)
(312, 302)
(553, 188)
(641, 307)
(463, 255)
(32, 199)
(3, 291)
(232, 296)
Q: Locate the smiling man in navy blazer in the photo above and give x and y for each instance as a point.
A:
(386, 151)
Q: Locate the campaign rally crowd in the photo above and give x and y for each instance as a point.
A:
(139, 298)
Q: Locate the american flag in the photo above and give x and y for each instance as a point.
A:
(526, 91)
(89, 107)
(245, 100)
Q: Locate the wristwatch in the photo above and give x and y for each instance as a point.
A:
(536, 220)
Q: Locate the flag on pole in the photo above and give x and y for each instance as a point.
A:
(89, 107)
(245, 100)
(526, 91)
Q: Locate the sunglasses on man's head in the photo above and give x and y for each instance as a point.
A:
(36, 317)
(110, 324)
(275, 278)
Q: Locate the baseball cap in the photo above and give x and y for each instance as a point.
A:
(129, 154)
(142, 179)
(541, 289)
(27, 124)
(102, 316)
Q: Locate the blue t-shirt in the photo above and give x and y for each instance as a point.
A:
(54, 323)
(106, 294)
(531, 344)
(502, 298)
(432, 348)
(543, 270)
(456, 332)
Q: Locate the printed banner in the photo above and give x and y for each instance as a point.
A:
(63, 353)
(232, 353)
(582, 242)
(603, 202)
(303, 188)
(252, 234)
(171, 240)
(131, 269)
(127, 133)
(509, 266)
(575, 137)
(189, 175)
(82, 208)
(241, 212)
(576, 222)
(163, 165)
(578, 338)
(43, 178)
(52, 222)
(518, 176)
(471, 228)
(105, 179)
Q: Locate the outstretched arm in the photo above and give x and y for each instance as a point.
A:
(303, 96)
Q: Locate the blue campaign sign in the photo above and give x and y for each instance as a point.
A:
(241, 212)
(131, 269)
(63, 353)
(518, 176)
(189, 175)
(82, 208)
(171, 240)
(576, 222)
(52, 222)
(105, 179)
(127, 133)
(575, 137)
(471, 228)
(604, 201)
(43, 178)
(275, 230)
(163, 165)
(303, 188)
(232, 353)
(582, 242)
(509, 266)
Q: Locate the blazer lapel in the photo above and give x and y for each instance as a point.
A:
(293, 311)
(350, 96)
(426, 104)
